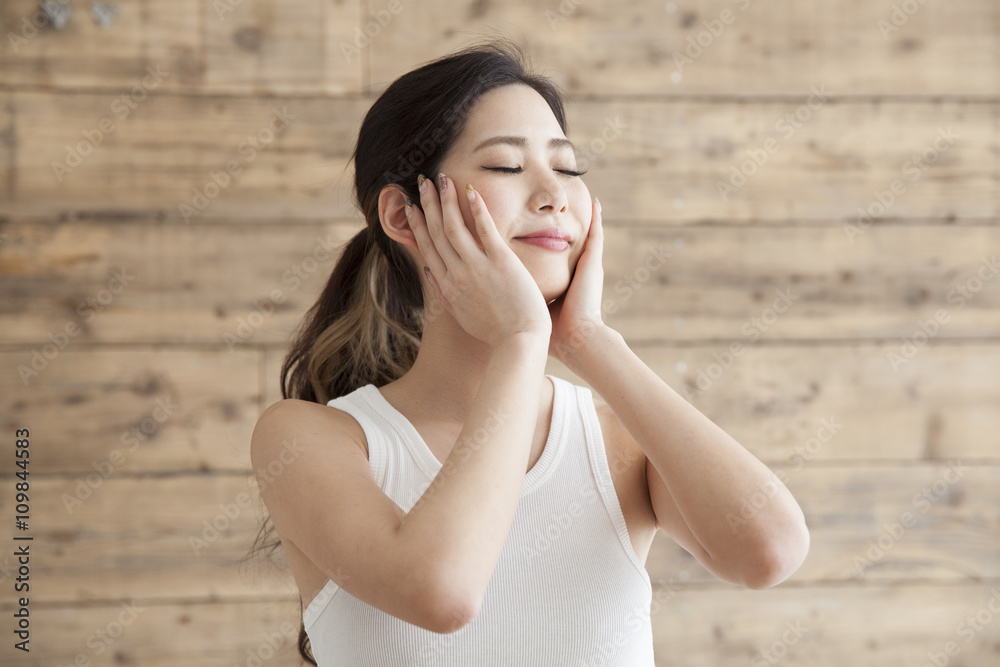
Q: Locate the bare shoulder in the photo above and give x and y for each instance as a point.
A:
(283, 420)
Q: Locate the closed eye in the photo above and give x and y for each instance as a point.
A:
(517, 170)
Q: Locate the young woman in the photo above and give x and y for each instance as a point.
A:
(440, 498)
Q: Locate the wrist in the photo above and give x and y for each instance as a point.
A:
(525, 340)
(589, 344)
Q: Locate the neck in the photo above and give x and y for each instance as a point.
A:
(444, 380)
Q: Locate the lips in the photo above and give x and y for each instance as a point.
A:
(550, 232)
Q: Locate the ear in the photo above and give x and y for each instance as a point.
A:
(392, 215)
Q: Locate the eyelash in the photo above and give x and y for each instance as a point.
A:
(516, 170)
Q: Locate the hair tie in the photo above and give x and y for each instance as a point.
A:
(375, 236)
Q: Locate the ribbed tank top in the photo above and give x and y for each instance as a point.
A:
(568, 588)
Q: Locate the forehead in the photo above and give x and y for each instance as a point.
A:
(514, 109)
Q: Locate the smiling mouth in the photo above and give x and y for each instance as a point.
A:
(546, 242)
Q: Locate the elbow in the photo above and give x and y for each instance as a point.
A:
(451, 615)
(777, 560)
(451, 610)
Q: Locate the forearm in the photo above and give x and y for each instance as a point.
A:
(710, 476)
(459, 525)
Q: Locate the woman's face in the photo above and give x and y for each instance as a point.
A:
(537, 194)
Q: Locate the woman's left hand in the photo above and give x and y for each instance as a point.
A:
(577, 312)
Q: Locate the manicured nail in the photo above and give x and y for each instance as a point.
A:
(409, 202)
(420, 181)
(470, 192)
(442, 182)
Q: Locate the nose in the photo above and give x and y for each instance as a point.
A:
(550, 196)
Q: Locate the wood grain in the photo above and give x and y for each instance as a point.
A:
(250, 284)
(227, 47)
(815, 116)
(658, 163)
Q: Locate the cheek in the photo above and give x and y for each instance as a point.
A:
(498, 206)
(583, 200)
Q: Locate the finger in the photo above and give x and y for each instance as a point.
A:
(597, 228)
(425, 244)
(454, 220)
(485, 225)
(431, 203)
(595, 235)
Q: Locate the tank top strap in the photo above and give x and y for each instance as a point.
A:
(597, 452)
(374, 426)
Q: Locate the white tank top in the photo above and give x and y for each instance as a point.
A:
(568, 588)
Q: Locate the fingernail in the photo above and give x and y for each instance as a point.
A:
(409, 207)
(470, 192)
(598, 201)
(442, 182)
(420, 181)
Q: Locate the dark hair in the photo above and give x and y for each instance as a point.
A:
(367, 324)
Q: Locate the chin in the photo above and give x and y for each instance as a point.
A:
(551, 295)
(550, 283)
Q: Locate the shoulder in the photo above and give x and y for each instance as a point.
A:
(294, 419)
(290, 411)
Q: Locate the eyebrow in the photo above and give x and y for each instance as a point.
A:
(522, 142)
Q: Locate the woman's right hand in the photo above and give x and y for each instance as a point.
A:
(487, 290)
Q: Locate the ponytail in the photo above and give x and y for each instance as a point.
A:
(364, 328)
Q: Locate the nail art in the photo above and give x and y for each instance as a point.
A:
(420, 181)
(442, 182)
(409, 202)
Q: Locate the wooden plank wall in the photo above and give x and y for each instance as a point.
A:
(843, 98)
